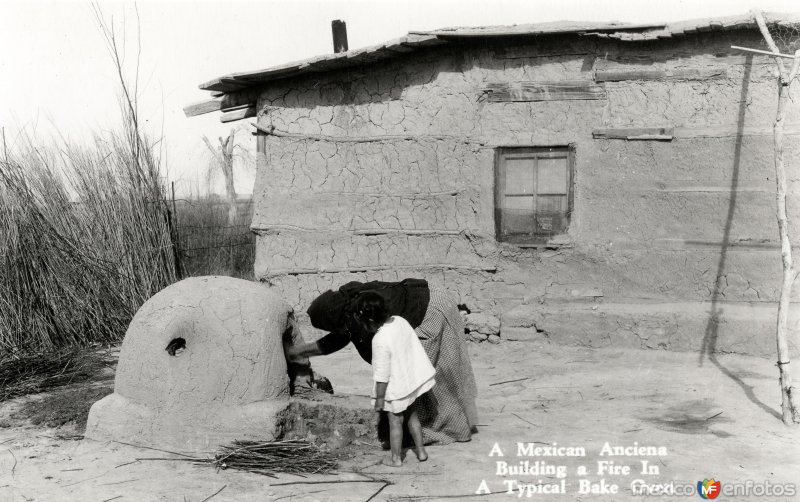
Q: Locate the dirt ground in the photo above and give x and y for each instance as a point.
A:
(695, 419)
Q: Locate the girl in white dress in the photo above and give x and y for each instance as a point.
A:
(401, 370)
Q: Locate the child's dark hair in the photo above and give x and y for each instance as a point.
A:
(371, 309)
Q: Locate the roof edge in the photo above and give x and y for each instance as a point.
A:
(415, 40)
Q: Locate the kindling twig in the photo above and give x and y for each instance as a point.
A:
(419, 497)
(365, 443)
(432, 473)
(379, 490)
(173, 459)
(214, 494)
(157, 449)
(119, 482)
(535, 425)
(126, 463)
(333, 481)
(294, 494)
(84, 480)
(13, 467)
(510, 381)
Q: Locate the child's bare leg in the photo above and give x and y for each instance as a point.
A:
(415, 429)
(395, 439)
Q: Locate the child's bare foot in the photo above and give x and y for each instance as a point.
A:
(392, 462)
(422, 455)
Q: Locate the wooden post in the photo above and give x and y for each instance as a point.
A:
(339, 31)
(176, 245)
(226, 147)
(789, 410)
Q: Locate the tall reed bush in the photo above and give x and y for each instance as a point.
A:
(85, 238)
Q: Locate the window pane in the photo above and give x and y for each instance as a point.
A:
(551, 214)
(517, 215)
(519, 176)
(533, 193)
(552, 176)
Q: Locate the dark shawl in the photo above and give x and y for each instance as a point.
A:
(333, 311)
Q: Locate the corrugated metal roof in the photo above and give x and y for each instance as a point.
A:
(416, 40)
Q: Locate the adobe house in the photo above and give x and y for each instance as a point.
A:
(602, 184)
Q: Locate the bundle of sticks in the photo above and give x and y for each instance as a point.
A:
(293, 456)
(39, 372)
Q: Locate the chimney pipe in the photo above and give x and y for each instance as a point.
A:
(339, 31)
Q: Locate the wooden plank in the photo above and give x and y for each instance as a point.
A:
(237, 107)
(616, 68)
(372, 268)
(635, 133)
(545, 91)
(620, 75)
(532, 53)
(223, 86)
(701, 244)
(678, 243)
(203, 107)
(697, 73)
(708, 187)
(238, 114)
(725, 131)
(224, 102)
(401, 231)
(675, 60)
(423, 40)
(270, 130)
(399, 48)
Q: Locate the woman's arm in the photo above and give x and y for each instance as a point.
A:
(326, 345)
(304, 350)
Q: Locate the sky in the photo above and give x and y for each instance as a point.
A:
(58, 79)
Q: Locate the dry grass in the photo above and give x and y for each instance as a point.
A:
(35, 373)
(88, 238)
(63, 407)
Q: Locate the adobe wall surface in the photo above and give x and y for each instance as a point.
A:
(409, 192)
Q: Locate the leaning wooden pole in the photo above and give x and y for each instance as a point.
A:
(789, 411)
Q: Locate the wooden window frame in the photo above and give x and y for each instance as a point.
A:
(503, 153)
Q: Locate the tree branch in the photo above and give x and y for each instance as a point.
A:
(762, 25)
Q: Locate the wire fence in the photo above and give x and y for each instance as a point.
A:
(212, 240)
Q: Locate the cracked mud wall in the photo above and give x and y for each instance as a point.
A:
(387, 171)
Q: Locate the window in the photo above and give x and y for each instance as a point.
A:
(533, 194)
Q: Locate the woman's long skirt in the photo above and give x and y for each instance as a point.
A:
(447, 412)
